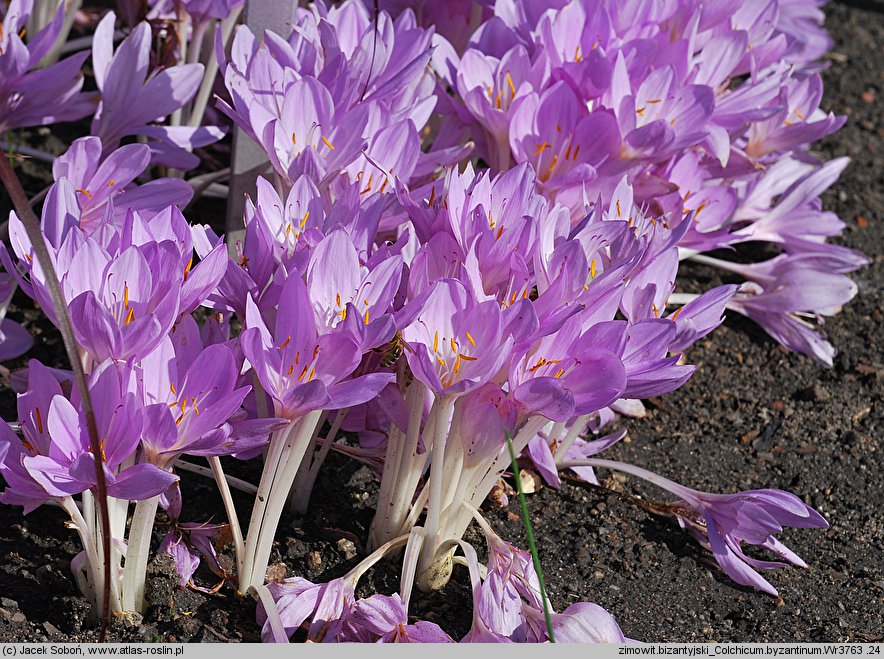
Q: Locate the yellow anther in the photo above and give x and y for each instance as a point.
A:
(291, 369)
(368, 187)
(653, 100)
(619, 212)
(338, 299)
(568, 153)
(327, 143)
(432, 196)
(577, 55)
(541, 148)
(499, 233)
(312, 374)
(509, 81)
(196, 410)
(640, 111)
(304, 219)
(285, 343)
(187, 268)
(655, 310)
(470, 339)
(675, 315)
(592, 270)
(126, 295)
(130, 316)
(441, 361)
(294, 138)
(436, 342)
(343, 313)
(554, 162)
(467, 358)
(85, 192)
(453, 344)
(110, 183)
(304, 372)
(559, 373)
(456, 364)
(576, 151)
(172, 388)
(366, 316)
(298, 357)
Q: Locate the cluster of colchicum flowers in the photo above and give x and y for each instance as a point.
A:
(469, 226)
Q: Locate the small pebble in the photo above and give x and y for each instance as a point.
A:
(347, 548)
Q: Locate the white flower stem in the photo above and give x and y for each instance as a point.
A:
(262, 593)
(401, 472)
(306, 477)
(235, 483)
(356, 573)
(271, 463)
(571, 436)
(229, 508)
(432, 539)
(205, 91)
(656, 479)
(95, 592)
(486, 479)
(137, 554)
(262, 529)
(70, 14)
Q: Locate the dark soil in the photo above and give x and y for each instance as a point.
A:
(753, 416)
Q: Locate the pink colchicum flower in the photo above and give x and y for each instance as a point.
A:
(132, 97)
(53, 459)
(32, 96)
(721, 522)
(301, 369)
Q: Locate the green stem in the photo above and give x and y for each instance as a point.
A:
(530, 533)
